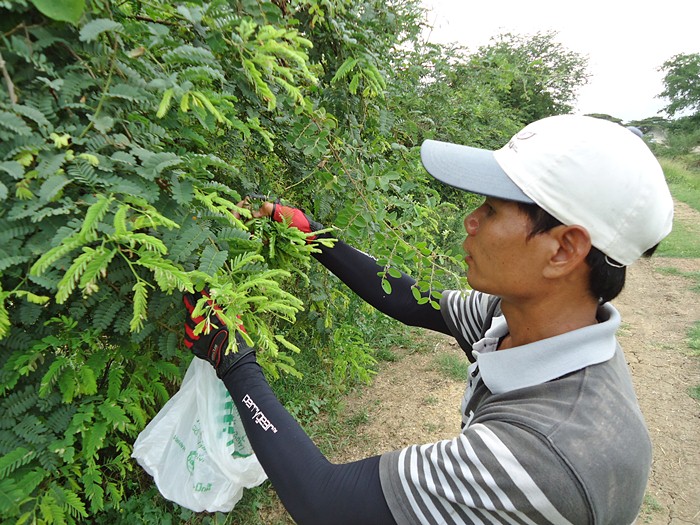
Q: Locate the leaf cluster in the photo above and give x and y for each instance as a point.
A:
(682, 84)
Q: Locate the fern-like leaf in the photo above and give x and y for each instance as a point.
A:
(52, 375)
(14, 123)
(82, 171)
(114, 415)
(105, 313)
(70, 502)
(192, 236)
(140, 306)
(150, 243)
(93, 29)
(153, 164)
(204, 74)
(114, 382)
(52, 186)
(120, 220)
(190, 55)
(50, 211)
(165, 102)
(261, 87)
(60, 418)
(150, 218)
(50, 165)
(97, 266)
(15, 459)
(32, 479)
(94, 437)
(10, 493)
(212, 260)
(92, 480)
(13, 168)
(21, 401)
(168, 276)
(14, 230)
(74, 273)
(8, 260)
(33, 114)
(4, 317)
(95, 213)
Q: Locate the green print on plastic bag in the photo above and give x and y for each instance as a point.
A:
(179, 442)
(197, 455)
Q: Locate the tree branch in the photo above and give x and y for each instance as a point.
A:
(8, 81)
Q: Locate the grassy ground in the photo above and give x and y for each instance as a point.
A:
(683, 242)
(683, 180)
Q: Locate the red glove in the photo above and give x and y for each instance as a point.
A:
(296, 218)
(211, 344)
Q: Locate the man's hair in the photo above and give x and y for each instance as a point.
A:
(606, 278)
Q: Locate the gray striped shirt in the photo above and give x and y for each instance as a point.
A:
(552, 433)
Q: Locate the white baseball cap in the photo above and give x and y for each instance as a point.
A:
(581, 170)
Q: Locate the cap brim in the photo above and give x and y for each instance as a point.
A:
(470, 169)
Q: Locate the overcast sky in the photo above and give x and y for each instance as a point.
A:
(626, 41)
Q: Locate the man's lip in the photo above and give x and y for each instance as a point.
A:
(467, 252)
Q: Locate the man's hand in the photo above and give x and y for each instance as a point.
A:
(294, 216)
(212, 342)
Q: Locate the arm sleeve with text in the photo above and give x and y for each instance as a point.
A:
(313, 490)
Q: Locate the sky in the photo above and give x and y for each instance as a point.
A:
(625, 41)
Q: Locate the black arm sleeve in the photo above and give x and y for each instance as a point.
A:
(313, 490)
(359, 272)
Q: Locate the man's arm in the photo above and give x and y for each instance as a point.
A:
(359, 270)
(313, 490)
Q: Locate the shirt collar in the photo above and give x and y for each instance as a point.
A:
(536, 363)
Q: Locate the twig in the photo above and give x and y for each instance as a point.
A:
(8, 81)
(149, 19)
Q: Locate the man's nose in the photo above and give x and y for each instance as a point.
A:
(471, 224)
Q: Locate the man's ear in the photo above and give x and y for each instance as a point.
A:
(572, 244)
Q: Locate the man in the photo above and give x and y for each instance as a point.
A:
(551, 429)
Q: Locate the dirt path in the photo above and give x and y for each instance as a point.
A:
(411, 401)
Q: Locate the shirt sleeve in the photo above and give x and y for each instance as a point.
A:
(478, 477)
(465, 314)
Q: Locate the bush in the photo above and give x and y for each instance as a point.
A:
(129, 132)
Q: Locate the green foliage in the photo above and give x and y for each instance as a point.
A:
(533, 76)
(452, 366)
(682, 83)
(73, 405)
(684, 240)
(129, 132)
(63, 10)
(682, 177)
(694, 339)
(681, 141)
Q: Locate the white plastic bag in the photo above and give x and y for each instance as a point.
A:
(196, 449)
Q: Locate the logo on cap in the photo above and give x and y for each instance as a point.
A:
(523, 135)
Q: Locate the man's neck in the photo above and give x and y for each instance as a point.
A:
(528, 322)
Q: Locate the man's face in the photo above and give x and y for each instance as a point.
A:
(502, 260)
